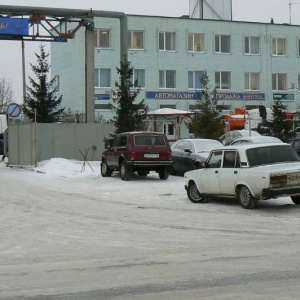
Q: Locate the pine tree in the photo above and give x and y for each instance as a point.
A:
(207, 121)
(41, 100)
(280, 127)
(129, 115)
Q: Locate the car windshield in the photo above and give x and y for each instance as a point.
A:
(206, 146)
(271, 155)
(149, 140)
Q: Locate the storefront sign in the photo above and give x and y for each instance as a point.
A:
(14, 26)
(102, 96)
(283, 97)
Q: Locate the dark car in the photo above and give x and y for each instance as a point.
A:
(295, 143)
(187, 154)
(139, 152)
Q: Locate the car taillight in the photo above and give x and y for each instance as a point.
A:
(133, 155)
(278, 179)
(169, 156)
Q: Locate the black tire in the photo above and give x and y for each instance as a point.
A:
(163, 174)
(105, 171)
(1, 147)
(194, 194)
(124, 171)
(296, 199)
(245, 198)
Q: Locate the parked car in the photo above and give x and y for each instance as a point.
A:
(139, 152)
(256, 140)
(187, 154)
(295, 143)
(249, 172)
(228, 137)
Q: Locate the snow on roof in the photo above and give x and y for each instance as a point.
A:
(168, 111)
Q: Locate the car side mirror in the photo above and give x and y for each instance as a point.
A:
(203, 164)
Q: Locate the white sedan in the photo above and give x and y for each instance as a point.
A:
(249, 172)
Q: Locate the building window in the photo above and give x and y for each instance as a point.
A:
(139, 75)
(222, 43)
(167, 41)
(278, 46)
(167, 79)
(136, 39)
(194, 79)
(222, 80)
(251, 81)
(251, 45)
(102, 78)
(196, 42)
(102, 38)
(279, 82)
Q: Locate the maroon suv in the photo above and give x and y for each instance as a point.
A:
(139, 152)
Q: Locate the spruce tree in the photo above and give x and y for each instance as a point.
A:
(207, 121)
(280, 127)
(41, 100)
(129, 114)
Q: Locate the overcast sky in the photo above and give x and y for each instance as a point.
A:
(254, 11)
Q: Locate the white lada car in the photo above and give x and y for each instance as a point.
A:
(249, 173)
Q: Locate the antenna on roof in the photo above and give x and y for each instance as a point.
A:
(290, 9)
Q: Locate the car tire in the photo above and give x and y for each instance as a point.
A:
(245, 198)
(1, 147)
(105, 171)
(296, 199)
(193, 193)
(163, 174)
(124, 171)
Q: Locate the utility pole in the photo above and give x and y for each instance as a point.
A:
(290, 10)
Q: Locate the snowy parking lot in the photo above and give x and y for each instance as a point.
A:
(68, 233)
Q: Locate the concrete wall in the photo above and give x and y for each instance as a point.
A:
(32, 143)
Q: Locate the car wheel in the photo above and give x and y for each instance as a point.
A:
(245, 198)
(194, 194)
(105, 171)
(125, 173)
(163, 174)
(296, 199)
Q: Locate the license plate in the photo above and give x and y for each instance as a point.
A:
(293, 177)
(151, 155)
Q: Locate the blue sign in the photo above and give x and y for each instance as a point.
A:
(102, 96)
(14, 110)
(14, 26)
(197, 96)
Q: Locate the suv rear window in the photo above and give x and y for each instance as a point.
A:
(149, 140)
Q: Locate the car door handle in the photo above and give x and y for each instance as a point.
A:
(235, 172)
(216, 172)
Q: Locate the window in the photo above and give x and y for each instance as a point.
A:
(139, 75)
(136, 39)
(167, 79)
(278, 46)
(222, 80)
(279, 82)
(102, 78)
(102, 38)
(194, 79)
(251, 81)
(167, 41)
(222, 43)
(251, 45)
(196, 42)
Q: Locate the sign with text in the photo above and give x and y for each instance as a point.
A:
(14, 26)
(283, 97)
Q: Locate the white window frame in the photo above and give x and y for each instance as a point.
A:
(252, 81)
(135, 76)
(165, 77)
(219, 81)
(195, 42)
(167, 41)
(220, 43)
(279, 82)
(277, 44)
(134, 39)
(98, 74)
(98, 33)
(250, 42)
(195, 76)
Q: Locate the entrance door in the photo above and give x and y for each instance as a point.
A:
(169, 130)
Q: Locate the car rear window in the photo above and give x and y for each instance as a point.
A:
(149, 140)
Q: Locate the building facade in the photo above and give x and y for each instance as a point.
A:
(250, 64)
